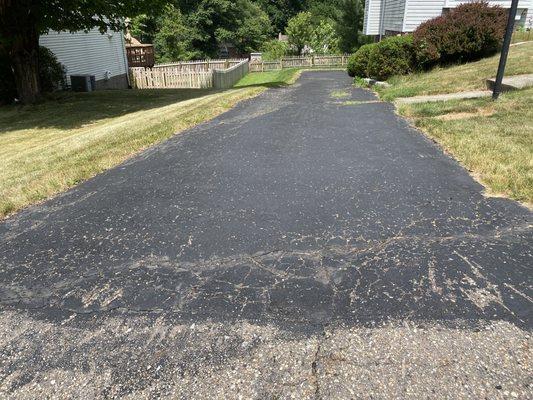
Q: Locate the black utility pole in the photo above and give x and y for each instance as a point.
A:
(505, 50)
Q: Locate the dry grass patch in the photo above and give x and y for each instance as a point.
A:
(494, 140)
(481, 112)
(340, 94)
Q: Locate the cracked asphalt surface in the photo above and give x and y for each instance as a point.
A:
(306, 244)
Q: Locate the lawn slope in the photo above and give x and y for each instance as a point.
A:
(494, 140)
(50, 147)
(459, 78)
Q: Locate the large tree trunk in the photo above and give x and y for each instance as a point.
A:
(25, 62)
(19, 39)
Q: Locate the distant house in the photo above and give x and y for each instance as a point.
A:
(91, 53)
(392, 17)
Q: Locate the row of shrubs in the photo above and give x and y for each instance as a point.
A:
(468, 32)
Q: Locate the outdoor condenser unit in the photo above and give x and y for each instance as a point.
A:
(82, 83)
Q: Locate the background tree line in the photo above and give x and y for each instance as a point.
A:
(180, 29)
(185, 30)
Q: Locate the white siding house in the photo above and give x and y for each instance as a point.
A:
(91, 53)
(385, 17)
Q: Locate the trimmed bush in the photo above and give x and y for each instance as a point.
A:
(392, 56)
(358, 62)
(51, 72)
(467, 33)
(51, 75)
(273, 50)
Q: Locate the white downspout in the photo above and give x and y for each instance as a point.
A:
(382, 19)
(125, 58)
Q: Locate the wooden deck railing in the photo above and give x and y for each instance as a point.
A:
(140, 56)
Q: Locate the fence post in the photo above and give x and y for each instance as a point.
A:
(312, 60)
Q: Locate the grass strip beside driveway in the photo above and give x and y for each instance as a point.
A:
(50, 147)
(494, 140)
(281, 77)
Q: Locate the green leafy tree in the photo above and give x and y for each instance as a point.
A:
(23, 21)
(274, 50)
(280, 11)
(324, 9)
(144, 27)
(324, 39)
(350, 24)
(300, 31)
(174, 39)
(188, 29)
(247, 28)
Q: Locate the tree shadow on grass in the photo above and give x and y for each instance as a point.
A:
(69, 110)
(270, 85)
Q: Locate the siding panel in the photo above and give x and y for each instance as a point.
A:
(419, 11)
(88, 53)
(372, 18)
(393, 15)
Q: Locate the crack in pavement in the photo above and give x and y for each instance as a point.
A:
(312, 250)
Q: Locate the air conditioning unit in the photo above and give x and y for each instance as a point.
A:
(83, 83)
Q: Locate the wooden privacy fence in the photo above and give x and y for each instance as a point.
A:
(225, 79)
(170, 78)
(326, 61)
(202, 65)
(189, 75)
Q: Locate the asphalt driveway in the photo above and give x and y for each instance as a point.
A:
(307, 243)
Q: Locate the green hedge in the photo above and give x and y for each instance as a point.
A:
(392, 56)
(358, 62)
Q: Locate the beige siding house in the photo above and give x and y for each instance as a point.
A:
(389, 17)
(91, 53)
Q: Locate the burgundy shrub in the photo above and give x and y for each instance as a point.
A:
(466, 33)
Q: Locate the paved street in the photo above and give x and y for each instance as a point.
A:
(307, 243)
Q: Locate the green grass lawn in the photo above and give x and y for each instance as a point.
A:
(459, 78)
(494, 140)
(50, 147)
(280, 77)
(522, 36)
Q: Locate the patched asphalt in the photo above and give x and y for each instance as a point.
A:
(307, 243)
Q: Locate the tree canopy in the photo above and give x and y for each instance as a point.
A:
(180, 29)
(185, 30)
(350, 24)
(22, 21)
